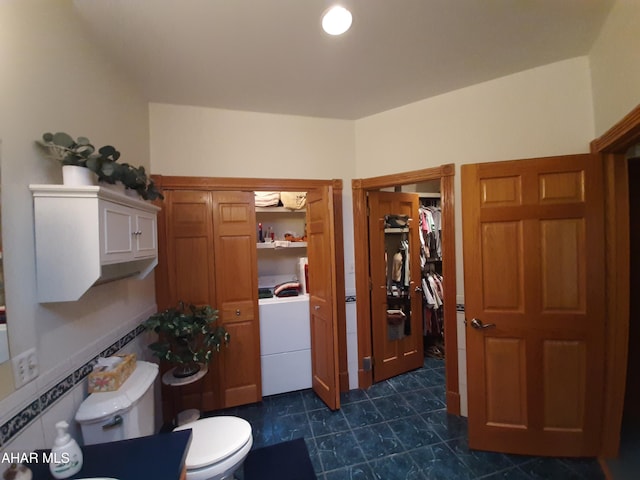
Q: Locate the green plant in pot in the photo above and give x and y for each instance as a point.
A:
(188, 336)
(62, 147)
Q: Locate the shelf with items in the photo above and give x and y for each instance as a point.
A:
(278, 210)
(279, 227)
(396, 230)
(281, 244)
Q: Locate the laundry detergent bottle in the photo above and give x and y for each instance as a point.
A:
(66, 456)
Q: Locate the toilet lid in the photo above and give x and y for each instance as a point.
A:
(214, 439)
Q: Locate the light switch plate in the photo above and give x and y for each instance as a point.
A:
(25, 367)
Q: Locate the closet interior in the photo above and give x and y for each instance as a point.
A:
(285, 342)
(429, 219)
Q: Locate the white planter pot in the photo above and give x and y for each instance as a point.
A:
(75, 176)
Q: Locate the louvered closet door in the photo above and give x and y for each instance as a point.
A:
(534, 303)
(237, 295)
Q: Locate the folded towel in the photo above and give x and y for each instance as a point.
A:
(267, 199)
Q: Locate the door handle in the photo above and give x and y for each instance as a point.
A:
(478, 325)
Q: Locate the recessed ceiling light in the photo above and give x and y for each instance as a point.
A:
(336, 20)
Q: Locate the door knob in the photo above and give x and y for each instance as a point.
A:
(478, 325)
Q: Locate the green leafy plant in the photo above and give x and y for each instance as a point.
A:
(187, 336)
(62, 147)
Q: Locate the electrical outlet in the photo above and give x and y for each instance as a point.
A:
(25, 367)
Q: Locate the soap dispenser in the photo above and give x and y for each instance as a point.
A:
(66, 456)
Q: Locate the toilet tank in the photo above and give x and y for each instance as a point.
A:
(124, 413)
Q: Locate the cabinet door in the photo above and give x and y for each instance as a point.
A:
(116, 232)
(146, 244)
(237, 295)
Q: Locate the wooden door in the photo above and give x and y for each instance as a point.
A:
(190, 260)
(534, 302)
(188, 271)
(322, 296)
(397, 342)
(237, 295)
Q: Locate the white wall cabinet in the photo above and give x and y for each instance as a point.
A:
(90, 235)
(126, 233)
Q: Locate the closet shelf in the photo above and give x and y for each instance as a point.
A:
(278, 210)
(280, 244)
(397, 230)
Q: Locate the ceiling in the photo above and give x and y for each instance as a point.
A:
(272, 56)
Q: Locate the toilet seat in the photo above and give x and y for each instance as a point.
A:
(215, 439)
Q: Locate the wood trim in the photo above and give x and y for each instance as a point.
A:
(433, 173)
(228, 183)
(605, 468)
(616, 141)
(452, 380)
(445, 173)
(618, 301)
(621, 136)
(161, 274)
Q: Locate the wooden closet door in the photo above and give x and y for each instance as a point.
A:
(187, 273)
(190, 261)
(237, 295)
(322, 296)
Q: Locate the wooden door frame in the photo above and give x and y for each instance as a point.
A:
(168, 182)
(613, 145)
(360, 187)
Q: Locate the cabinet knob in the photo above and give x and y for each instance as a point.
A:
(238, 312)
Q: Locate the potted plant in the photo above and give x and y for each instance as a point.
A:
(78, 157)
(188, 336)
(80, 154)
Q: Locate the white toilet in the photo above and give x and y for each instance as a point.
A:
(218, 447)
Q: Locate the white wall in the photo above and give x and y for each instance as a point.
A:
(540, 112)
(53, 79)
(228, 143)
(615, 65)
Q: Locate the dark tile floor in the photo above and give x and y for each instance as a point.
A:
(397, 429)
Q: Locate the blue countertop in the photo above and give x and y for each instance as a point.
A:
(160, 457)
